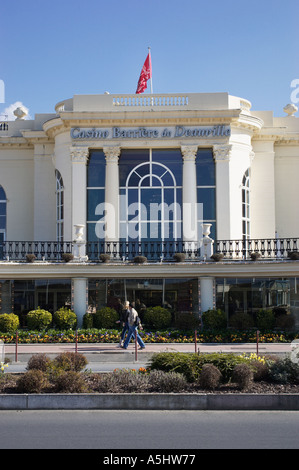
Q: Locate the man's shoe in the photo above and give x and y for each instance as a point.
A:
(141, 347)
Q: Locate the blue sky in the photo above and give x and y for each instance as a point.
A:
(53, 50)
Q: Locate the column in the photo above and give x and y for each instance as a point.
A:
(190, 231)
(206, 293)
(112, 193)
(222, 154)
(44, 197)
(79, 157)
(80, 292)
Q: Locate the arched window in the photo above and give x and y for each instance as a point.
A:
(59, 207)
(3, 210)
(246, 205)
(150, 206)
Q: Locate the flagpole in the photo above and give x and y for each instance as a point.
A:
(149, 51)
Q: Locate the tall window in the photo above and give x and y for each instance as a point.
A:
(150, 195)
(206, 190)
(95, 191)
(2, 214)
(59, 207)
(246, 205)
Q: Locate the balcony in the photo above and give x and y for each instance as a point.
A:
(154, 251)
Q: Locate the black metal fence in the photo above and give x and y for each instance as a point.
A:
(270, 248)
(275, 248)
(48, 251)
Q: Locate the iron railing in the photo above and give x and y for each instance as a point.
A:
(45, 250)
(275, 248)
(270, 248)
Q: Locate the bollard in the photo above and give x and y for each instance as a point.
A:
(17, 340)
(136, 348)
(257, 342)
(76, 342)
(195, 340)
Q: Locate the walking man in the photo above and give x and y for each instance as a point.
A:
(133, 322)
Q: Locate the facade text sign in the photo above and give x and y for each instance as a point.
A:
(205, 132)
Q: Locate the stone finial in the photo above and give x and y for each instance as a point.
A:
(290, 109)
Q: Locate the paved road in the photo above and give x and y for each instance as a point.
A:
(148, 430)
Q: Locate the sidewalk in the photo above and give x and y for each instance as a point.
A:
(107, 351)
(105, 357)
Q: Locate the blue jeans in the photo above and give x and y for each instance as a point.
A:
(132, 332)
(123, 333)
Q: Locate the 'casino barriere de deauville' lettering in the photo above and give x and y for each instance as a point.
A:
(149, 133)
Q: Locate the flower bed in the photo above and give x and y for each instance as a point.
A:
(165, 336)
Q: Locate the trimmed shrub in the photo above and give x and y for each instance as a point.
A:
(210, 377)
(285, 371)
(166, 382)
(105, 257)
(214, 319)
(38, 319)
(242, 376)
(70, 382)
(33, 381)
(140, 259)
(70, 361)
(88, 321)
(65, 319)
(67, 257)
(129, 381)
(9, 322)
(39, 362)
(157, 317)
(186, 321)
(179, 257)
(106, 317)
(265, 319)
(217, 257)
(30, 258)
(241, 321)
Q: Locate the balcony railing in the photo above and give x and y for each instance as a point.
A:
(275, 248)
(48, 251)
(233, 250)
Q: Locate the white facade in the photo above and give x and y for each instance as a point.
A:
(242, 141)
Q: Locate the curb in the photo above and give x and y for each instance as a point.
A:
(148, 401)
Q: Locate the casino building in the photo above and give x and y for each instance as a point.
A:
(173, 178)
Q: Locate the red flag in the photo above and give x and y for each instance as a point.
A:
(146, 74)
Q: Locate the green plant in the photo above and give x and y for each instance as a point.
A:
(88, 320)
(157, 317)
(242, 375)
(9, 322)
(67, 257)
(105, 257)
(65, 318)
(140, 259)
(241, 321)
(39, 362)
(38, 319)
(70, 382)
(30, 258)
(106, 317)
(70, 361)
(214, 319)
(217, 257)
(265, 319)
(210, 377)
(186, 321)
(179, 257)
(166, 382)
(284, 371)
(33, 381)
